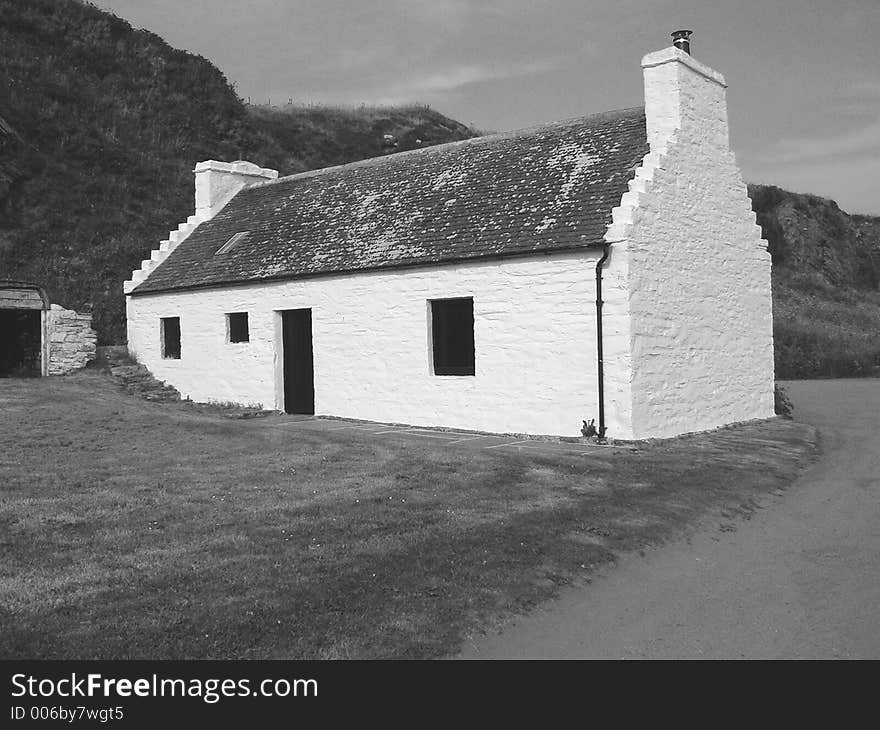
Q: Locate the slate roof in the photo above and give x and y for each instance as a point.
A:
(533, 191)
(6, 129)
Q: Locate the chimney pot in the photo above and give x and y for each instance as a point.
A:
(682, 39)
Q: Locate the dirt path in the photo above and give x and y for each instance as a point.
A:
(801, 579)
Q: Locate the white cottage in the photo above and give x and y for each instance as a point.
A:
(604, 268)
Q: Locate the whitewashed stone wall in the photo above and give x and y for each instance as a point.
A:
(699, 273)
(702, 333)
(534, 333)
(72, 341)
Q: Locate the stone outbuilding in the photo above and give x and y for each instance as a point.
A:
(605, 269)
(39, 338)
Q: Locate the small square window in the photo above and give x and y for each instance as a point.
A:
(452, 335)
(170, 332)
(237, 327)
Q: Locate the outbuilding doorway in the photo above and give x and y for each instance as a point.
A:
(23, 346)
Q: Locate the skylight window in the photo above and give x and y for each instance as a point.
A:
(232, 242)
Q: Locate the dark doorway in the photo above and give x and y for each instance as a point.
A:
(20, 342)
(299, 373)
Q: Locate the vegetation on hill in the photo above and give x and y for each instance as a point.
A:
(316, 136)
(101, 126)
(826, 273)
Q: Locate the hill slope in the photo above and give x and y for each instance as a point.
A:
(309, 137)
(101, 125)
(826, 272)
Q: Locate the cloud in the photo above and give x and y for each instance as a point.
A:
(853, 183)
(422, 85)
(841, 163)
(456, 77)
(451, 13)
(866, 87)
(861, 99)
(857, 18)
(863, 139)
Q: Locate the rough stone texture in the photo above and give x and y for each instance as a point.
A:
(138, 380)
(72, 341)
(681, 92)
(699, 271)
(534, 339)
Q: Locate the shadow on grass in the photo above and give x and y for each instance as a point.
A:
(136, 530)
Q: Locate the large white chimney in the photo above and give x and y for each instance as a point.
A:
(682, 93)
(218, 182)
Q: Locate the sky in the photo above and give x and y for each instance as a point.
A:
(803, 75)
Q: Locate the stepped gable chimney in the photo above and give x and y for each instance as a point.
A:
(683, 94)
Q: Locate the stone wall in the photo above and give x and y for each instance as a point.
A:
(72, 341)
(699, 271)
(700, 306)
(534, 331)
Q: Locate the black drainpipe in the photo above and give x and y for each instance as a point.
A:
(601, 371)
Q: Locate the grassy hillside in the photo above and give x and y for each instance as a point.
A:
(826, 272)
(101, 127)
(318, 135)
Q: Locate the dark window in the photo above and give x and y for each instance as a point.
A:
(237, 327)
(452, 328)
(171, 338)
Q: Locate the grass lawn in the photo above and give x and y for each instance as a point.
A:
(131, 529)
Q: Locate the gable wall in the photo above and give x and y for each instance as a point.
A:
(702, 341)
(534, 339)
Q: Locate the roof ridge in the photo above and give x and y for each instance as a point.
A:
(511, 134)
